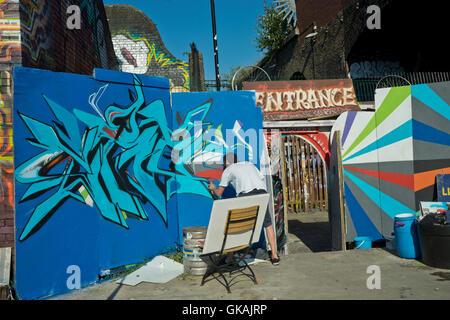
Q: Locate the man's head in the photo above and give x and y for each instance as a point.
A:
(229, 159)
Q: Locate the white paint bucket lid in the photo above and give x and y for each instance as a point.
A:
(404, 215)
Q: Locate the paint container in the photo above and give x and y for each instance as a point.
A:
(435, 240)
(363, 242)
(406, 236)
(193, 241)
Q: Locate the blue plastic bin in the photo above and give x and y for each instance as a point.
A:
(406, 236)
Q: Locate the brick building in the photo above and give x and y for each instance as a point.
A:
(332, 40)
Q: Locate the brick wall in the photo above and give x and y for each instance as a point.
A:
(140, 49)
(34, 34)
(318, 11)
(48, 44)
(10, 56)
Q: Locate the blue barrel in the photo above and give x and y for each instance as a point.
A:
(406, 237)
(363, 242)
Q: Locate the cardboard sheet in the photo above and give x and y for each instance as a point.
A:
(216, 227)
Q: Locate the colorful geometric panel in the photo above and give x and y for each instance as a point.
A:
(360, 219)
(425, 94)
(393, 155)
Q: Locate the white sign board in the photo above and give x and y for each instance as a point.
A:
(5, 264)
(216, 228)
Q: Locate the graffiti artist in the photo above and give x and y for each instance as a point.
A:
(247, 180)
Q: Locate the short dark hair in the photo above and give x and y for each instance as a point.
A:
(230, 157)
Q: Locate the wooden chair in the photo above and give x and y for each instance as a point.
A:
(238, 221)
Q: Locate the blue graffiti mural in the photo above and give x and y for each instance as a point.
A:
(124, 158)
(110, 168)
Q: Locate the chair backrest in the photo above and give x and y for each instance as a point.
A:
(240, 220)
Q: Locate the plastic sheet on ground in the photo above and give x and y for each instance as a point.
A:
(158, 270)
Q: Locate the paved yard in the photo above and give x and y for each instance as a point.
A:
(310, 271)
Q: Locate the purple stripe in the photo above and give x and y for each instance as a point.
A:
(348, 124)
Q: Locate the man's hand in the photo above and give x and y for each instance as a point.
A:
(215, 191)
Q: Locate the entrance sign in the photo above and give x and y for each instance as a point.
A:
(303, 99)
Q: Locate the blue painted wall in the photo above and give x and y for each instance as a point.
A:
(228, 120)
(97, 183)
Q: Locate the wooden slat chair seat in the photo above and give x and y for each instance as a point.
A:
(238, 221)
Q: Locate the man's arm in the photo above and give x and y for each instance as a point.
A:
(214, 189)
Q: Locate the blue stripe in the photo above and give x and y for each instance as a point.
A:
(362, 223)
(393, 207)
(426, 95)
(402, 132)
(426, 133)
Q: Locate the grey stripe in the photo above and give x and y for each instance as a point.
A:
(430, 151)
(423, 113)
(430, 165)
(441, 88)
(403, 167)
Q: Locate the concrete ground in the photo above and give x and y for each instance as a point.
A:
(309, 271)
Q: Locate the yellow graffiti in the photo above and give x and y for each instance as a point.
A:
(162, 60)
(448, 191)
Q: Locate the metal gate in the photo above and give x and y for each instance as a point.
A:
(306, 181)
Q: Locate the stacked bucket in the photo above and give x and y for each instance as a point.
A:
(193, 240)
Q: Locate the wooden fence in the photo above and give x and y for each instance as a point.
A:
(306, 184)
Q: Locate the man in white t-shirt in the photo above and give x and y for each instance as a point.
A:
(247, 180)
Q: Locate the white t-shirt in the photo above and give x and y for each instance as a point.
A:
(244, 177)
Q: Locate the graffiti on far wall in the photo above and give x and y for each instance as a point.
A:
(374, 69)
(9, 31)
(136, 55)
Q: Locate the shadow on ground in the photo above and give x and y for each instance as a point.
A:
(313, 234)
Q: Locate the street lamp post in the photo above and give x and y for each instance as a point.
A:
(312, 36)
(216, 51)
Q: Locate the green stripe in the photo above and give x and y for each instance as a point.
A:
(394, 98)
(84, 193)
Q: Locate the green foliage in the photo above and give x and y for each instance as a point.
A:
(176, 256)
(175, 253)
(271, 30)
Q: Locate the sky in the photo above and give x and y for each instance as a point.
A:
(181, 22)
